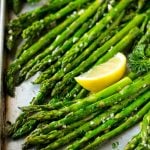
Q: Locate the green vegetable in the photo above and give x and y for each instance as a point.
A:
(120, 46)
(115, 145)
(111, 122)
(17, 6)
(30, 109)
(82, 57)
(101, 39)
(134, 88)
(22, 126)
(145, 129)
(23, 47)
(38, 26)
(59, 51)
(82, 129)
(124, 126)
(47, 107)
(141, 140)
(30, 41)
(98, 125)
(141, 4)
(25, 129)
(83, 93)
(62, 37)
(73, 93)
(48, 72)
(44, 139)
(27, 54)
(83, 103)
(16, 26)
(19, 122)
(133, 143)
(48, 84)
(95, 32)
(139, 62)
(33, 1)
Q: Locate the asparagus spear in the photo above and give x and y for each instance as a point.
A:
(31, 124)
(141, 4)
(141, 140)
(32, 1)
(48, 72)
(145, 134)
(25, 46)
(16, 26)
(25, 128)
(19, 121)
(19, 127)
(45, 53)
(133, 143)
(115, 50)
(49, 59)
(68, 90)
(17, 6)
(111, 122)
(27, 54)
(95, 32)
(140, 147)
(47, 107)
(61, 38)
(83, 93)
(126, 92)
(17, 124)
(30, 41)
(144, 24)
(45, 139)
(38, 26)
(95, 55)
(67, 101)
(72, 93)
(124, 126)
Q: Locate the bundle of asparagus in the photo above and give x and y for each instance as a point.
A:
(119, 105)
(64, 39)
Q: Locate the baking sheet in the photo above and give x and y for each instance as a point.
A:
(23, 95)
(2, 108)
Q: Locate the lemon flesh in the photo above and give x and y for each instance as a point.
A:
(103, 75)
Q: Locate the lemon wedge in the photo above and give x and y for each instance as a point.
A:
(103, 75)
